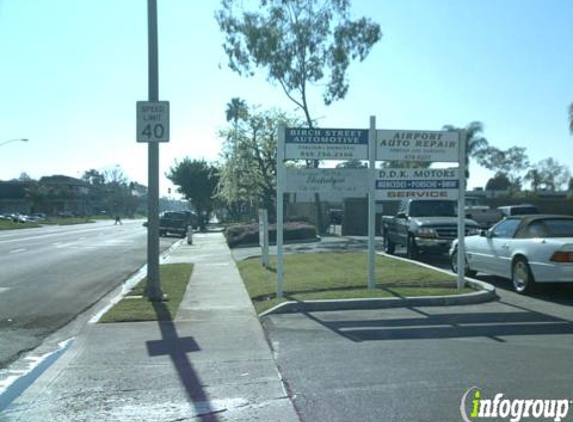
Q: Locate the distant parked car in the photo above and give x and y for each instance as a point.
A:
(66, 214)
(483, 215)
(510, 210)
(526, 249)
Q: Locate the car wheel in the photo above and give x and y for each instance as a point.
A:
(411, 248)
(389, 246)
(521, 276)
(454, 265)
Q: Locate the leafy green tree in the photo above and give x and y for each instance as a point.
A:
(475, 142)
(510, 163)
(548, 174)
(298, 42)
(196, 180)
(93, 177)
(248, 175)
(498, 182)
(534, 177)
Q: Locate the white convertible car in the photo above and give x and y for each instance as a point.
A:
(526, 249)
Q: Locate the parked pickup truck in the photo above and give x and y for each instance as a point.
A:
(174, 222)
(424, 225)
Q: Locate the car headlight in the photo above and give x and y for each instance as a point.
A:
(426, 232)
(472, 231)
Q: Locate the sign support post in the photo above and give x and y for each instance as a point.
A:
(264, 236)
(461, 208)
(372, 203)
(280, 207)
(153, 288)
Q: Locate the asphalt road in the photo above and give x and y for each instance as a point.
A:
(415, 364)
(51, 274)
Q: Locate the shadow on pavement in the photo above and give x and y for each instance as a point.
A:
(177, 348)
(491, 325)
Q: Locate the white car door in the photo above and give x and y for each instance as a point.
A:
(493, 255)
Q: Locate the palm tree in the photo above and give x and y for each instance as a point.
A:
(236, 110)
(475, 142)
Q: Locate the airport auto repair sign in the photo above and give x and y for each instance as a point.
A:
(417, 183)
(416, 145)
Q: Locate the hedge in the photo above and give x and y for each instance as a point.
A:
(248, 234)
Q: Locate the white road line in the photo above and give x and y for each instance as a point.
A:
(4, 289)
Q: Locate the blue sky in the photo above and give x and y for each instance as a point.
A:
(72, 71)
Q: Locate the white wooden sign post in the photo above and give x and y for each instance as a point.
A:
(264, 236)
(372, 204)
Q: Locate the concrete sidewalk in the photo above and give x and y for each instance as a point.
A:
(212, 363)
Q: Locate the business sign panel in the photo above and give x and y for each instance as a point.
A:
(417, 184)
(326, 144)
(416, 145)
(347, 182)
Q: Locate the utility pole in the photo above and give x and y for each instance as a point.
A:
(153, 288)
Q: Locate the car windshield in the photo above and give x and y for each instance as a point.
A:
(174, 216)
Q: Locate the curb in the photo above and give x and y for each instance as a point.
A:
(486, 293)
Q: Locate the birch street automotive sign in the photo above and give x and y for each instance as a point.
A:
(326, 144)
(348, 182)
(417, 183)
(415, 145)
(152, 121)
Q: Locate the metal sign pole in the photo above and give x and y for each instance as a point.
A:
(461, 207)
(153, 288)
(280, 205)
(372, 203)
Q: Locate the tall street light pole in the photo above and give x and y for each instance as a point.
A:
(14, 140)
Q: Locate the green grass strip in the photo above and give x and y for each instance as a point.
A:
(10, 225)
(136, 307)
(315, 276)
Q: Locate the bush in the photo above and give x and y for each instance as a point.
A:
(248, 234)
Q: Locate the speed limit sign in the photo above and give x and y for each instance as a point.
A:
(152, 121)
